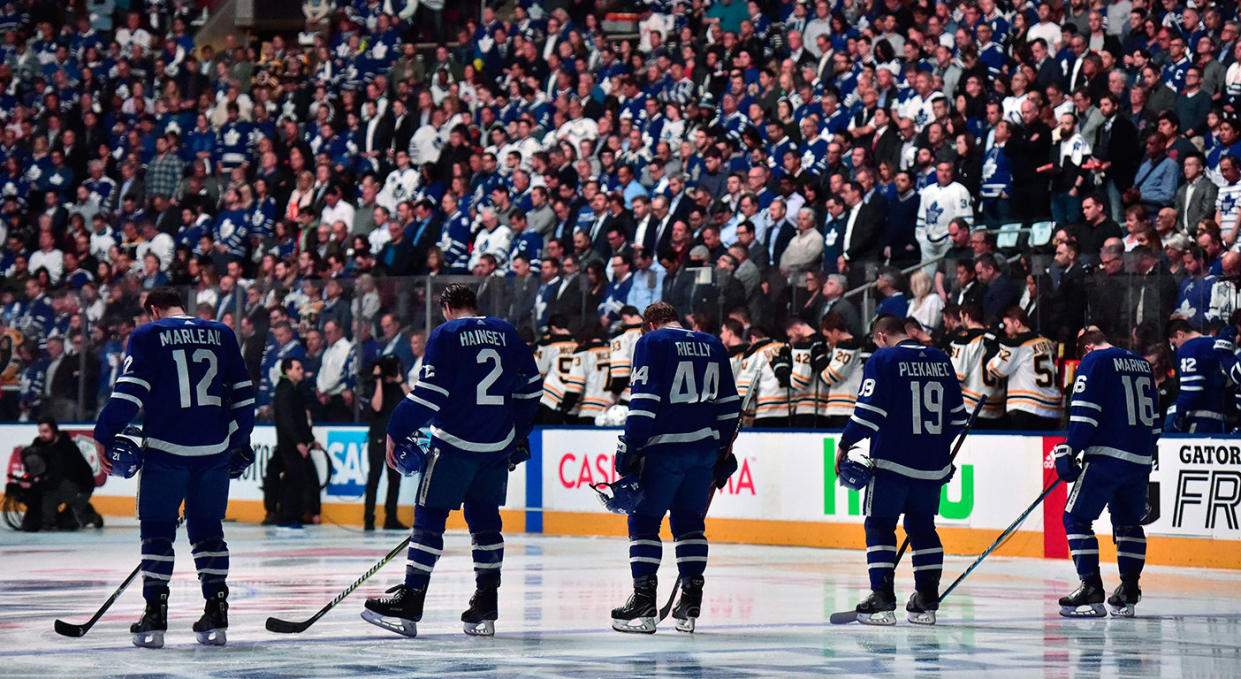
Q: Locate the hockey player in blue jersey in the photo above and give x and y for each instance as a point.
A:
(1113, 427)
(910, 407)
(479, 389)
(1200, 403)
(683, 409)
(190, 381)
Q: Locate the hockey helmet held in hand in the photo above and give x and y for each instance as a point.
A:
(621, 496)
(857, 468)
(411, 454)
(125, 453)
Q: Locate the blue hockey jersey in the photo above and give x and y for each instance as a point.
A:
(1115, 407)
(1202, 380)
(683, 397)
(188, 377)
(910, 407)
(479, 387)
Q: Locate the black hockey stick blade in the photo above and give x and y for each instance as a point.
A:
(68, 629)
(279, 626)
(843, 617)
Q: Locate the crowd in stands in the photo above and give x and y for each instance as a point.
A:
(748, 162)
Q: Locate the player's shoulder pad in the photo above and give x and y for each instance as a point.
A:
(757, 347)
(851, 344)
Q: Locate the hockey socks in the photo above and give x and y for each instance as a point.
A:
(645, 548)
(210, 555)
(880, 551)
(1130, 551)
(425, 546)
(157, 558)
(486, 542)
(1083, 546)
(927, 557)
(691, 544)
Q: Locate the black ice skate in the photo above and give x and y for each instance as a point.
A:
(210, 628)
(1085, 602)
(480, 617)
(149, 631)
(398, 613)
(921, 608)
(1124, 598)
(688, 604)
(639, 613)
(878, 608)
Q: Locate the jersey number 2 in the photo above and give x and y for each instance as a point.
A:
(481, 397)
(183, 377)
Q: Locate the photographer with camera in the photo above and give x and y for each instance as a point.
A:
(59, 474)
(389, 388)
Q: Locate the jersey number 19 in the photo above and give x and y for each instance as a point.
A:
(928, 397)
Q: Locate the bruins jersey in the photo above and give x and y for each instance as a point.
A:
(10, 363)
(809, 392)
(968, 354)
(1029, 362)
(588, 377)
(771, 400)
(621, 360)
(554, 356)
(843, 377)
(736, 357)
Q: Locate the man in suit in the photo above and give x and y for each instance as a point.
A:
(1028, 150)
(863, 237)
(645, 222)
(1046, 69)
(375, 138)
(1195, 200)
(756, 252)
(1117, 152)
(833, 293)
(402, 126)
(780, 231)
(1002, 292)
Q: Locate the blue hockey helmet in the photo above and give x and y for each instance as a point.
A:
(411, 454)
(857, 468)
(621, 496)
(125, 453)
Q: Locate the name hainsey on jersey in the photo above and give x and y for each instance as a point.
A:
(910, 407)
(683, 395)
(479, 388)
(188, 377)
(1114, 408)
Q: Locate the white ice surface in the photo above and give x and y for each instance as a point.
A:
(764, 614)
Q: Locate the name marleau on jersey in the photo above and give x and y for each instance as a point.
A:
(190, 336)
(925, 369)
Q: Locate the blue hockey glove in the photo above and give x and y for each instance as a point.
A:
(1228, 333)
(627, 461)
(125, 453)
(240, 459)
(1067, 466)
(521, 453)
(725, 467)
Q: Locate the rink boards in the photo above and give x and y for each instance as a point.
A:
(785, 492)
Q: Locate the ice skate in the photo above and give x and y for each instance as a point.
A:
(480, 617)
(878, 608)
(639, 613)
(210, 628)
(149, 631)
(1085, 602)
(1124, 598)
(398, 613)
(921, 608)
(688, 604)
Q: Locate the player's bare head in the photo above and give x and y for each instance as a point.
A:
(1090, 340)
(458, 300)
(1016, 320)
(162, 302)
(797, 328)
(888, 331)
(659, 315)
(1179, 331)
(630, 314)
(558, 322)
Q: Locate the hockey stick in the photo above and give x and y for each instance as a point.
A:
(676, 587)
(1003, 537)
(68, 629)
(279, 626)
(845, 617)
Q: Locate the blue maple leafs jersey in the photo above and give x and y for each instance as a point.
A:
(1114, 411)
(682, 393)
(479, 387)
(188, 377)
(910, 407)
(1202, 380)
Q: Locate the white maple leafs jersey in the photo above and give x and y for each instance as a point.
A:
(809, 392)
(939, 206)
(554, 356)
(621, 358)
(588, 377)
(967, 352)
(772, 399)
(1029, 362)
(843, 377)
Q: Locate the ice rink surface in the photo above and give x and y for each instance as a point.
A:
(764, 615)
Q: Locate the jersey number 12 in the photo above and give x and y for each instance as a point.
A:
(183, 377)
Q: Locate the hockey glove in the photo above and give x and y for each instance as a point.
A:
(240, 460)
(521, 453)
(725, 467)
(1228, 333)
(627, 461)
(818, 356)
(1067, 466)
(782, 366)
(1174, 423)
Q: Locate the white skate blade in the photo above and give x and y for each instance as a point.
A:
(212, 637)
(685, 625)
(1125, 611)
(483, 628)
(923, 618)
(636, 626)
(880, 618)
(407, 628)
(1084, 611)
(152, 639)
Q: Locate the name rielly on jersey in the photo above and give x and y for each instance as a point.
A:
(190, 336)
(925, 369)
(473, 338)
(693, 349)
